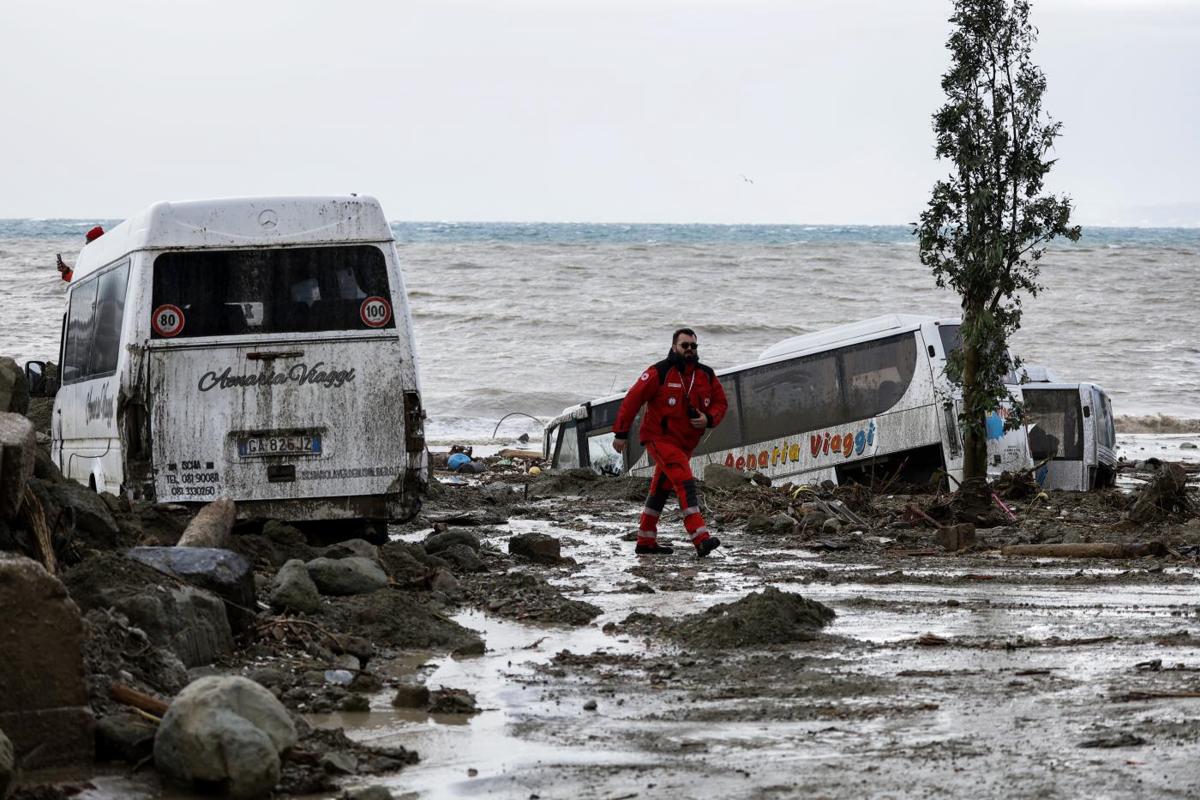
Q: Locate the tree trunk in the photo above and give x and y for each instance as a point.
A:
(975, 430)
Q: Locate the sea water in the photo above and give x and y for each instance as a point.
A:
(534, 317)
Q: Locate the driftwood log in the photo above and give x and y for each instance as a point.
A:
(1087, 550)
(212, 527)
(128, 696)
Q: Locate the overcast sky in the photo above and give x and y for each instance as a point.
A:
(569, 110)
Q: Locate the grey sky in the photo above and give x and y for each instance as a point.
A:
(595, 110)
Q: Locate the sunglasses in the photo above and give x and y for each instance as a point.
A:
(689, 345)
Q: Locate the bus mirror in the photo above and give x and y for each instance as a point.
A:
(1087, 411)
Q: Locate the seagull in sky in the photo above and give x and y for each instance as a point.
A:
(747, 180)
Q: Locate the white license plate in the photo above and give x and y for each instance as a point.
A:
(293, 445)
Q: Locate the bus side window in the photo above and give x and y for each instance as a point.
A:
(110, 313)
(785, 398)
(80, 318)
(877, 374)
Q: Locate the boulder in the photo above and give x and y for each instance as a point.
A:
(411, 695)
(44, 704)
(226, 731)
(463, 558)
(222, 572)
(719, 476)
(8, 765)
(44, 467)
(438, 541)
(94, 522)
(539, 547)
(18, 448)
(293, 589)
(342, 576)
(352, 547)
(761, 524)
(191, 622)
(14, 387)
(402, 562)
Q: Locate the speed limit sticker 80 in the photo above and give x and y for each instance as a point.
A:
(167, 320)
(375, 312)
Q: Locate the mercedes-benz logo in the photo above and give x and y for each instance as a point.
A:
(268, 218)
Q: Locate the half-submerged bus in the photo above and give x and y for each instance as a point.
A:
(258, 349)
(1071, 432)
(857, 402)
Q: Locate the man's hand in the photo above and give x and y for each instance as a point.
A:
(619, 445)
(700, 422)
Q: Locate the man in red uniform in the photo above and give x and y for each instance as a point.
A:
(683, 399)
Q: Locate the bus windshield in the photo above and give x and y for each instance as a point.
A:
(289, 290)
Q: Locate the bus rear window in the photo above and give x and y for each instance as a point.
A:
(1055, 424)
(292, 290)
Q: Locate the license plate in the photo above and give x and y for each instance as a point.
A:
(293, 445)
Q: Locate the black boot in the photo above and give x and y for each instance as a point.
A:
(707, 546)
(653, 550)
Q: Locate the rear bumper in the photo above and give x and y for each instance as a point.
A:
(392, 507)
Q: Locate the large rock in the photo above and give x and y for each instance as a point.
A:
(352, 547)
(222, 572)
(539, 547)
(293, 589)
(719, 476)
(8, 765)
(463, 558)
(93, 520)
(191, 622)
(226, 731)
(759, 524)
(14, 387)
(44, 702)
(342, 576)
(18, 447)
(438, 541)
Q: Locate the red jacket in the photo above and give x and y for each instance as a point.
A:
(669, 389)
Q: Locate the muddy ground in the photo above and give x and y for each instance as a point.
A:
(905, 671)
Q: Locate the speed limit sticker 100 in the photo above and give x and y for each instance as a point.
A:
(167, 321)
(375, 312)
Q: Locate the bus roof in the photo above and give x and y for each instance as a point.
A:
(843, 334)
(239, 222)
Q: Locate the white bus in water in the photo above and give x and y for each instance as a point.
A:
(856, 402)
(1071, 432)
(258, 349)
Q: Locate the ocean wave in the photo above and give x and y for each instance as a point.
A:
(1156, 423)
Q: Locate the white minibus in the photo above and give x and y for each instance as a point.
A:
(259, 349)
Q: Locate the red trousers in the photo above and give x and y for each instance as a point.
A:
(672, 472)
